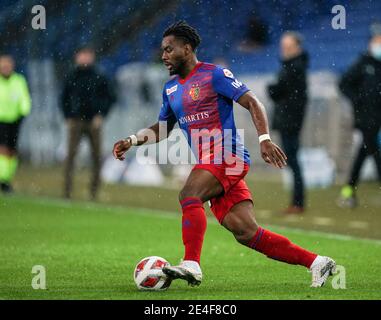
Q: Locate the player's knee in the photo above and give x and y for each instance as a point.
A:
(187, 192)
(243, 238)
(245, 234)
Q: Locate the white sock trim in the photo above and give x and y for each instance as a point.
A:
(317, 260)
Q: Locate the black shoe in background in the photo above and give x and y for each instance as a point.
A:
(6, 188)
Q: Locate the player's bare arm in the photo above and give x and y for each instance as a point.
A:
(153, 134)
(271, 153)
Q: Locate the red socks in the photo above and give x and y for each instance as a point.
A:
(193, 227)
(269, 243)
(278, 247)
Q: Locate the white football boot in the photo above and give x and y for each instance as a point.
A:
(187, 270)
(321, 269)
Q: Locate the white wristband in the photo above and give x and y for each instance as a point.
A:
(264, 137)
(134, 140)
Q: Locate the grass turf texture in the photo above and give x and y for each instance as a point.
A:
(90, 251)
(266, 187)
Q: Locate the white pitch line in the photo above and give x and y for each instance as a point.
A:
(175, 215)
(358, 224)
(323, 221)
(292, 218)
(328, 235)
(263, 213)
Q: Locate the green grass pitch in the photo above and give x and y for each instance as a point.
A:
(90, 251)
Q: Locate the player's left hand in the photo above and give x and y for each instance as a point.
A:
(273, 154)
(120, 148)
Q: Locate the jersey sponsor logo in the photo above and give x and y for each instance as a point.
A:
(171, 90)
(228, 73)
(236, 84)
(194, 92)
(194, 117)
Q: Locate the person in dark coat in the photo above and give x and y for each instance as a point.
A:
(362, 85)
(86, 100)
(289, 94)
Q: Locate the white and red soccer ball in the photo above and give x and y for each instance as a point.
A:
(148, 274)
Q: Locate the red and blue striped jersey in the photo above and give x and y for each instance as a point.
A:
(202, 104)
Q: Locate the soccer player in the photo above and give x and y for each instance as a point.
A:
(362, 85)
(200, 97)
(15, 105)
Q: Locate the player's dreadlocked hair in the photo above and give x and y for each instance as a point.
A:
(184, 31)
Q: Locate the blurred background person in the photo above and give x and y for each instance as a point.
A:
(362, 85)
(257, 35)
(15, 104)
(86, 99)
(289, 94)
(221, 61)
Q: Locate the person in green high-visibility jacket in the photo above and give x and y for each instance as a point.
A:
(15, 104)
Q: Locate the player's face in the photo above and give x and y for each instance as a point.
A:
(375, 47)
(289, 48)
(85, 58)
(174, 54)
(7, 66)
(375, 41)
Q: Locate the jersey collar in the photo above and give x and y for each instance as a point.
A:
(190, 74)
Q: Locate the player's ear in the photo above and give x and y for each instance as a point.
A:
(188, 48)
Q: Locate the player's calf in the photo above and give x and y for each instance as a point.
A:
(246, 231)
(201, 186)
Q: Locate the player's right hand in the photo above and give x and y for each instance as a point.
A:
(273, 154)
(120, 148)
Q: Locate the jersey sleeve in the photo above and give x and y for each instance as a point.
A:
(166, 113)
(25, 101)
(227, 85)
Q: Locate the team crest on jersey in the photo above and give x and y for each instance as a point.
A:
(228, 74)
(194, 92)
(171, 90)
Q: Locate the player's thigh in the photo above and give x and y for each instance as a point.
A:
(370, 138)
(75, 132)
(14, 137)
(7, 139)
(240, 220)
(201, 184)
(94, 134)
